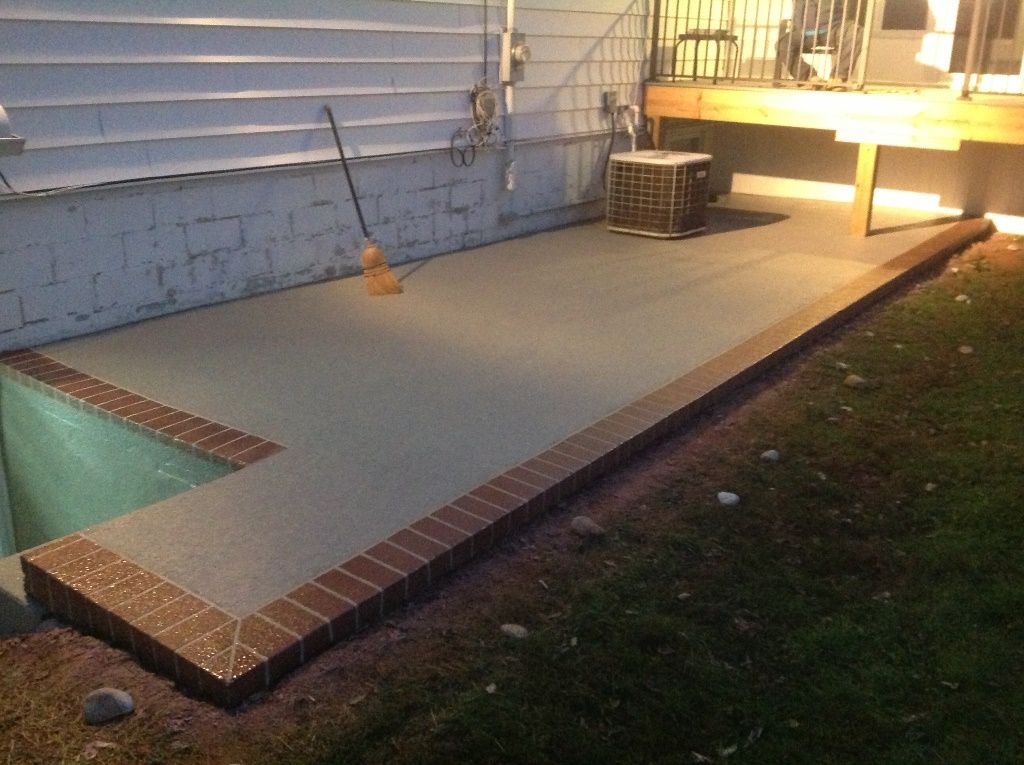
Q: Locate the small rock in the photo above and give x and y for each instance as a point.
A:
(683, 596)
(842, 366)
(491, 689)
(869, 333)
(954, 270)
(898, 346)
(931, 486)
(771, 455)
(962, 299)
(105, 704)
(728, 499)
(517, 631)
(583, 526)
(855, 381)
(966, 350)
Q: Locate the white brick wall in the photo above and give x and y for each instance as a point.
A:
(89, 260)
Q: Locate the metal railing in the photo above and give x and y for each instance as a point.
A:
(970, 46)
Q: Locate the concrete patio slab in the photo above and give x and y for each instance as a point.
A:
(391, 408)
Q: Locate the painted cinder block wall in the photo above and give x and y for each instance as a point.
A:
(228, 98)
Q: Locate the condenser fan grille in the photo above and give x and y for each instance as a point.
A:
(658, 193)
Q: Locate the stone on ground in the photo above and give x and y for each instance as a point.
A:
(771, 455)
(855, 381)
(728, 499)
(105, 704)
(586, 527)
(517, 631)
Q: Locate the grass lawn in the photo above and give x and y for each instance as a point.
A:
(864, 603)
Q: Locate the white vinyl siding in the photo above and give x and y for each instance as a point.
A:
(118, 89)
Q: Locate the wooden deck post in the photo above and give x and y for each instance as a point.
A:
(864, 189)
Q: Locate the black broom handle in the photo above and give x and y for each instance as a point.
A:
(348, 175)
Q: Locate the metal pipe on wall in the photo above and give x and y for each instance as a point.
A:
(510, 108)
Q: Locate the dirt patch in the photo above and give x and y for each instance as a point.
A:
(1003, 252)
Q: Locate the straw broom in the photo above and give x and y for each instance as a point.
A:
(379, 279)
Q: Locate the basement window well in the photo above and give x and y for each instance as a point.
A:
(66, 465)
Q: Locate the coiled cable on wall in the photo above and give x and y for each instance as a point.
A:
(483, 108)
(483, 132)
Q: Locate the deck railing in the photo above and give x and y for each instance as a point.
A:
(970, 46)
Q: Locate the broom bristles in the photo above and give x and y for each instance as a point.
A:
(377, 273)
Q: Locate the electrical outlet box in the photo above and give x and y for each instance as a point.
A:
(610, 101)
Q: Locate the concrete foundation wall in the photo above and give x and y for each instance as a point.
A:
(81, 262)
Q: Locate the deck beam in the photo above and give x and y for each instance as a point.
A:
(929, 119)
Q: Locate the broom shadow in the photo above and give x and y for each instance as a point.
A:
(415, 267)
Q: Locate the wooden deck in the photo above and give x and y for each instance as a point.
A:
(925, 119)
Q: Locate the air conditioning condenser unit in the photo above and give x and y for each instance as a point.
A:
(658, 193)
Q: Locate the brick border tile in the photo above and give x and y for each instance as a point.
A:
(212, 439)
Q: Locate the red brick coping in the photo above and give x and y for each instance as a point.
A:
(225, 659)
(183, 429)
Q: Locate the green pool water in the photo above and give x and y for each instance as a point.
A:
(67, 467)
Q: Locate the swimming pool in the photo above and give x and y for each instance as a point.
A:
(67, 466)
